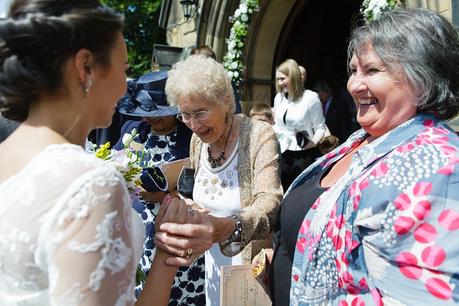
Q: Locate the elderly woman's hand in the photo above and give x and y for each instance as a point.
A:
(182, 232)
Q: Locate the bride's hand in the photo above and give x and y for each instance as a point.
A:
(181, 231)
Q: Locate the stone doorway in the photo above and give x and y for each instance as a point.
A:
(313, 32)
(316, 35)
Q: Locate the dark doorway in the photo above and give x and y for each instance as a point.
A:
(316, 35)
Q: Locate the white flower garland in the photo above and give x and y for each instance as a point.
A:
(371, 9)
(233, 61)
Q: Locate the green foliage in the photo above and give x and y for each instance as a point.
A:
(141, 31)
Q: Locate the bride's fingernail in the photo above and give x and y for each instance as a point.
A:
(167, 199)
(171, 262)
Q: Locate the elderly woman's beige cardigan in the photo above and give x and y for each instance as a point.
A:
(260, 187)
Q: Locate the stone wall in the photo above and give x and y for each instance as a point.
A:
(181, 32)
(443, 7)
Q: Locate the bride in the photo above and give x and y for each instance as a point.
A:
(65, 220)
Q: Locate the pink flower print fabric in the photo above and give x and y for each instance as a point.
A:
(389, 234)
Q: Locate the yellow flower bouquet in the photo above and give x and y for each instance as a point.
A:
(126, 161)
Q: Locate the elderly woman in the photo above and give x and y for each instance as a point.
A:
(161, 139)
(299, 122)
(374, 221)
(236, 165)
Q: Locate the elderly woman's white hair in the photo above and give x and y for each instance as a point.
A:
(202, 77)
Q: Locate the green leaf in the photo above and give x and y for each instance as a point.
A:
(140, 276)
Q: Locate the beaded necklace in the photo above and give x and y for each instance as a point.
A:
(217, 162)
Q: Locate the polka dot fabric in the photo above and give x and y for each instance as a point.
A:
(385, 233)
(188, 285)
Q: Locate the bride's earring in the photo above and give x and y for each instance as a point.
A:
(88, 85)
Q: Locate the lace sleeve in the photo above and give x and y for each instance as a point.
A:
(87, 243)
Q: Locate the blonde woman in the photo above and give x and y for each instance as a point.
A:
(298, 121)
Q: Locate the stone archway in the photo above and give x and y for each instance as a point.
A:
(311, 31)
(262, 41)
(281, 29)
(214, 26)
(261, 49)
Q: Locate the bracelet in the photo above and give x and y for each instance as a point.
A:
(236, 235)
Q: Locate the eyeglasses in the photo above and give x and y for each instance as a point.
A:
(200, 116)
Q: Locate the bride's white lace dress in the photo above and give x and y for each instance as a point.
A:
(67, 233)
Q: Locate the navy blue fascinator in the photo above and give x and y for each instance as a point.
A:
(145, 97)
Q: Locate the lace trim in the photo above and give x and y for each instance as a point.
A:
(75, 209)
(115, 254)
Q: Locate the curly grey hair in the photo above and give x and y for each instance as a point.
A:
(199, 76)
(424, 46)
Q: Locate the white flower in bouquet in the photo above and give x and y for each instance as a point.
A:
(126, 161)
(129, 138)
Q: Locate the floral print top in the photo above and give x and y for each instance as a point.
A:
(386, 232)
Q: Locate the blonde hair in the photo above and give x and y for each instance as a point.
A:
(199, 76)
(291, 69)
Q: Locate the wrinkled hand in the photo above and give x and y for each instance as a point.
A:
(182, 232)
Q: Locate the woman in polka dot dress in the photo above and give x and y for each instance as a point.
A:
(163, 138)
(383, 222)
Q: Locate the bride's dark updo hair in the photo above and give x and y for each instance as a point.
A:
(39, 36)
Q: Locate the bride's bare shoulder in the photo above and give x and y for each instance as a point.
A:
(21, 147)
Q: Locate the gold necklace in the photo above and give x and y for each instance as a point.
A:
(217, 162)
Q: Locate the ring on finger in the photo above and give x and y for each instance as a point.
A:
(189, 253)
(190, 210)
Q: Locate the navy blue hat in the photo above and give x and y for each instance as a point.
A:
(145, 97)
